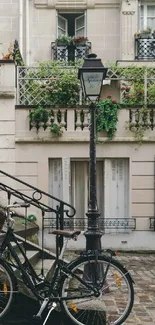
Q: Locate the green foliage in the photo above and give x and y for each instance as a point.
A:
(133, 95)
(53, 84)
(140, 126)
(107, 116)
(41, 117)
(56, 129)
(151, 94)
(63, 90)
(17, 55)
(64, 39)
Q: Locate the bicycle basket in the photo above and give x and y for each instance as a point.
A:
(2, 219)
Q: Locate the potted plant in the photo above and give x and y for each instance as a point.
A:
(79, 40)
(9, 55)
(146, 33)
(63, 40)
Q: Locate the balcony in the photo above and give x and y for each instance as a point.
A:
(70, 52)
(107, 224)
(145, 48)
(37, 86)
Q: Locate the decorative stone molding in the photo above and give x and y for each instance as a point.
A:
(74, 4)
(128, 12)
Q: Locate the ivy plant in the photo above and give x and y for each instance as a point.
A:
(140, 126)
(41, 117)
(107, 116)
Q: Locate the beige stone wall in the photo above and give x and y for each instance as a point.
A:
(32, 159)
(110, 26)
(8, 24)
(103, 29)
(7, 124)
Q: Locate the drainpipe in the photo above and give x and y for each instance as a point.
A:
(21, 26)
(27, 22)
(139, 13)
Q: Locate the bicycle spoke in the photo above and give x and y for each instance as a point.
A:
(114, 299)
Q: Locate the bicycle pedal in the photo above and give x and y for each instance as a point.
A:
(37, 317)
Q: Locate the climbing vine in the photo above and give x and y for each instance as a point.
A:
(140, 126)
(41, 117)
(107, 116)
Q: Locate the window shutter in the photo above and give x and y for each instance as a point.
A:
(80, 25)
(151, 16)
(55, 181)
(62, 26)
(116, 192)
(66, 179)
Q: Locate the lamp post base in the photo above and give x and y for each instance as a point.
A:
(93, 234)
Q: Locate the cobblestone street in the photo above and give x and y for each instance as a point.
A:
(143, 272)
(142, 268)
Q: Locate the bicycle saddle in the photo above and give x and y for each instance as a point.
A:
(67, 233)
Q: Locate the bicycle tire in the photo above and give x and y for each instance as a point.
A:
(8, 286)
(111, 307)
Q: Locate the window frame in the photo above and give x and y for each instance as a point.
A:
(80, 13)
(145, 15)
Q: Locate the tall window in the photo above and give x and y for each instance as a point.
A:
(147, 16)
(71, 24)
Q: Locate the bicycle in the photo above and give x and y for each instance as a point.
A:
(92, 289)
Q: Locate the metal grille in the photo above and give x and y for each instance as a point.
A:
(70, 52)
(145, 48)
(82, 224)
(31, 83)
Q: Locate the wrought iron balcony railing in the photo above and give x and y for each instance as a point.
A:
(70, 52)
(145, 48)
(121, 224)
(152, 223)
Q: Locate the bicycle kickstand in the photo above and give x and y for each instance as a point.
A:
(53, 307)
(43, 306)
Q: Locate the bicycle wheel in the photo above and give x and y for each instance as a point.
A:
(7, 288)
(115, 301)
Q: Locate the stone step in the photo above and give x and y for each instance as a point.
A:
(33, 257)
(48, 267)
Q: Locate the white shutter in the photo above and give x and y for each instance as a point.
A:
(110, 191)
(116, 192)
(66, 179)
(55, 182)
(62, 26)
(100, 187)
(123, 188)
(80, 25)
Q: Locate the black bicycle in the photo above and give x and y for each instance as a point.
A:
(92, 289)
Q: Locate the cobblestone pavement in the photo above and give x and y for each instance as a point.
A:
(143, 272)
(142, 268)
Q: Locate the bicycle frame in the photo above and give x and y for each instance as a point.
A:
(29, 276)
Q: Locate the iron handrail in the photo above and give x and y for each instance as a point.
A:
(34, 201)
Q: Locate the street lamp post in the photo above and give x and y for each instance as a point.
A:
(91, 76)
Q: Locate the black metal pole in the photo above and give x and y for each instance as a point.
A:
(93, 234)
